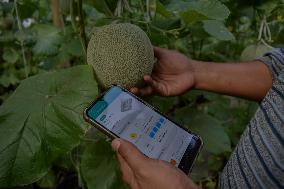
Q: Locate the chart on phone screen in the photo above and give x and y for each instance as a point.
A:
(153, 134)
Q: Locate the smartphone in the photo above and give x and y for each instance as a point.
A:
(120, 114)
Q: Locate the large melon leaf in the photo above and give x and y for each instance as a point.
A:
(204, 10)
(41, 120)
(216, 140)
(217, 29)
(100, 168)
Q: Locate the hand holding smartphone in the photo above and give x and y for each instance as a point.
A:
(120, 114)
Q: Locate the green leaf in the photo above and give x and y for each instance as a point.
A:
(55, 62)
(48, 181)
(27, 8)
(215, 163)
(210, 129)
(104, 6)
(200, 169)
(217, 29)
(100, 168)
(62, 57)
(197, 30)
(269, 6)
(212, 9)
(66, 51)
(7, 37)
(8, 79)
(74, 47)
(42, 120)
(204, 10)
(24, 36)
(48, 39)
(152, 6)
(252, 52)
(11, 75)
(192, 16)
(162, 10)
(181, 45)
(164, 104)
(167, 24)
(158, 39)
(177, 5)
(10, 55)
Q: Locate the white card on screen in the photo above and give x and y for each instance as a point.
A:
(126, 105)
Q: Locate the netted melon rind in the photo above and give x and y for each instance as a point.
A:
(120, 54)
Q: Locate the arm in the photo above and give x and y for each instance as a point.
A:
(250, 80)
(175, 74)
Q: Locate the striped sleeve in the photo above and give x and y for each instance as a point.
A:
(258, 159)
(275, 62)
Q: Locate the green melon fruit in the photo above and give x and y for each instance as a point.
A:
(120, 54)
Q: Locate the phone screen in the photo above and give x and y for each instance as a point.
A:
(129, 118)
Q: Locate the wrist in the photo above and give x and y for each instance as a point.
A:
(205, 75)
(195, 71)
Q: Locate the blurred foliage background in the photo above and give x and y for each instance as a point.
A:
(41, 36)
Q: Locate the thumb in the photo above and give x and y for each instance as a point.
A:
(134, 158)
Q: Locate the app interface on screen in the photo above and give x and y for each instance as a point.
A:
(153, 134)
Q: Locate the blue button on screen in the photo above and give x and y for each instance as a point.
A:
(152, 134)
(162, 120)
(103, 117)
(155, 129)
(158, 125)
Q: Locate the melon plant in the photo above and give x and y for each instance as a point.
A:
(44, 141)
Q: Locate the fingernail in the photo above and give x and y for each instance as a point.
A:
(115, 144)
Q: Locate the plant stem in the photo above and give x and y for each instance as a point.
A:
(73, 22)
(56, 16)
(21, 41)
(82, 33)
(80, 27)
